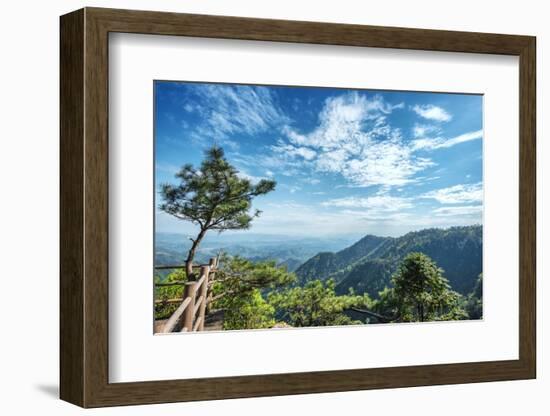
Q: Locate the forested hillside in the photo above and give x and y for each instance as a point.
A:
(367, 266)
(324, 264)
(423, 276)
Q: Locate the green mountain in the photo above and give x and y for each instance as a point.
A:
(368, 265)
(324, 264)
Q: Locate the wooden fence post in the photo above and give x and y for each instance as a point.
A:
(213, 262)
(213, 266)
(189, 292)
(205, 271)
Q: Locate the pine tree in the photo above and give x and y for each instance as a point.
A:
(213, 197)
(422, 293)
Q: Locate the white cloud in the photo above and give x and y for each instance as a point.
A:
(468, 210)
(294, 151)
(377, 203)
(432, 112)
(399, 223)
(279, 162)
(231, 109)
(377, 217)
(458, 194)
(466, 137)
(421, 130)
(290, 188)
(312, 181)
(189, 107)
(341, 119)
(439, 142)
(388, 163)
(333, 161)
(354, 139)
(289, 218)
(303, 219)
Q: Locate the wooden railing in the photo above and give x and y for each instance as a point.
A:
(191, 313)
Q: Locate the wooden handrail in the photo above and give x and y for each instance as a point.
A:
(201, 281)
(173, 321)
(169, 267)
(190, 315)
(179, 266)
(211, 278)
(189, 293)
(205, 271)
(198, 304)
(198, 323)
(178, 282)
(162, 301)
(175, 283)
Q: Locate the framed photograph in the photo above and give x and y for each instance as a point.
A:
(256, 207)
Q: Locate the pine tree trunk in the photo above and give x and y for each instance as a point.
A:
(191, 256)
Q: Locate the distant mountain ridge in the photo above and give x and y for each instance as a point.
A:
(171, 249)
(368, 264)
(323, 264)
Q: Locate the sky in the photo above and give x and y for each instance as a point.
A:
(346, 161)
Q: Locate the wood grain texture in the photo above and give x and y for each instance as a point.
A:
(84, 207)
(527, 208)
(71, 208)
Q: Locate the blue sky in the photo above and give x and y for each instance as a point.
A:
(345, 161)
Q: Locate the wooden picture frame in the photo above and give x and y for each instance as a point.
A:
(84, 207)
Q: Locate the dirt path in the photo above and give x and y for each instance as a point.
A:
(214, 321)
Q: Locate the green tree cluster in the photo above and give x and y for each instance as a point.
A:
(315, 304)
(474, 303)
(420, 293)
(163, 309)
(238, 291)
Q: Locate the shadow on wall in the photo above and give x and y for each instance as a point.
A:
(49, 390)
